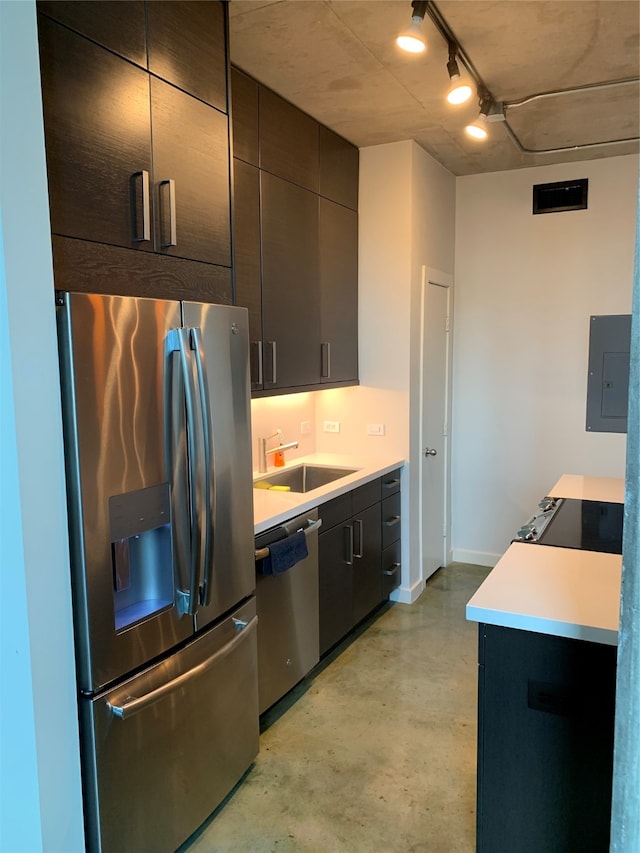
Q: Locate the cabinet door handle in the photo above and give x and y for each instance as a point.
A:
(348, 541)
(391, 522)
(391, 484)
(325, 360)
(392, 570)
(274, 361)
(171, 213)
(146, 207)
(359, 523)
(256, 362)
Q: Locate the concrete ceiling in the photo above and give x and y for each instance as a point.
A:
(337, 61)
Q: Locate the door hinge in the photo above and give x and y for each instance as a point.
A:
(445, 430)
(446, 324)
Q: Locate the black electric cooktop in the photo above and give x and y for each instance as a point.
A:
(587, 525)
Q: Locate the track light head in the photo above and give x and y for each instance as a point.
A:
(412, 38)
(459, 90)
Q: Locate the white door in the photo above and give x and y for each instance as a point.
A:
(435, 406)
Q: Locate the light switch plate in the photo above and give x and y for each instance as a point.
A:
(331, 426)
(375, 429)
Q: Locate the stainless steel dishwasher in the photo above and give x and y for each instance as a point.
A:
(287, 605)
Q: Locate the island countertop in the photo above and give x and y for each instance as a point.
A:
(609, 489)
(271, 508)
(564, 592)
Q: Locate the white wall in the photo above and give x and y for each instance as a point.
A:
(525, 289)
(406, 220)
(40, 798)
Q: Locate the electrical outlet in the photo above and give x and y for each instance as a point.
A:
(305, 427)
(331, 426)
(375, 429)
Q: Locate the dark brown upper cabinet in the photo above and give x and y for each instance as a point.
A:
(339, 164)
(295, 242)
(244, 98)
(246, 264)
(288, 141)
(187, 47)
(107, 182)
(118, 25)
(338, 254)
(290, 284)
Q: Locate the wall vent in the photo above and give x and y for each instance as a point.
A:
(562, 195)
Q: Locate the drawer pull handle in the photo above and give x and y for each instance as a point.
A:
(392, 571)
(390, 484)
(391, 522)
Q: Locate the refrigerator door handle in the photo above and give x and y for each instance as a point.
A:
(209, 479)
(178, 341)
(134, 705)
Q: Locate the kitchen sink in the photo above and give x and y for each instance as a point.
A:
(302, 478)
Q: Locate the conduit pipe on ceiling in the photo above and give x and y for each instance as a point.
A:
(449, 36)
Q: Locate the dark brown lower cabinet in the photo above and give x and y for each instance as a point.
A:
(545, 743)
(352, 583)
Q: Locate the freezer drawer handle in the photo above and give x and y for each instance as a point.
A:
(140, 703)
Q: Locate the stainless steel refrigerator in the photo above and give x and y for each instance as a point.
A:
(158, 449)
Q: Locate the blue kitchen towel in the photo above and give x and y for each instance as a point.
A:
(285, 553)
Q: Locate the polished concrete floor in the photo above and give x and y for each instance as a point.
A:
(376, 752)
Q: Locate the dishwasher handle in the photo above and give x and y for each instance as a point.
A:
(312, 527)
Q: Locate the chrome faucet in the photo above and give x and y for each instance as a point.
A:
(263, 452)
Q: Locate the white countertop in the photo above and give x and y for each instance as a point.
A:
(272, 508)
(610, 489)
(560, 591)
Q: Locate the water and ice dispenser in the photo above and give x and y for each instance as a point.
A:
(141, 552)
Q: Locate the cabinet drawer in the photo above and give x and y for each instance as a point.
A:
(390, 519)
(335, 511)
(391, 568)
(366, 495)
(390, 483)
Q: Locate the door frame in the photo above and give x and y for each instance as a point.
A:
(430, 276)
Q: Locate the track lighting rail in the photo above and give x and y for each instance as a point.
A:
(492, 110)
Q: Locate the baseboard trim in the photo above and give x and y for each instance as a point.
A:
(475, 558)
(407, 595)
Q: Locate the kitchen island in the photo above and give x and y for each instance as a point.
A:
(548, 627)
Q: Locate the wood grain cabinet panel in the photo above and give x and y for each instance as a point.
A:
(339, 168)
(290, 284)
(338, 247)
(246, 258)
(190, 147)
(288, 141)
(118, 25)
(244, 97)
(98, 135)
(187, 47)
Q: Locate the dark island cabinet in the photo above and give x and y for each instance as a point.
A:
(290, 284)
(352, 575)
(134, 162)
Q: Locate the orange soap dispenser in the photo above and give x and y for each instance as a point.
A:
(278, 458)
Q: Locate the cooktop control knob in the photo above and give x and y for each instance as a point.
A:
(527, 533)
